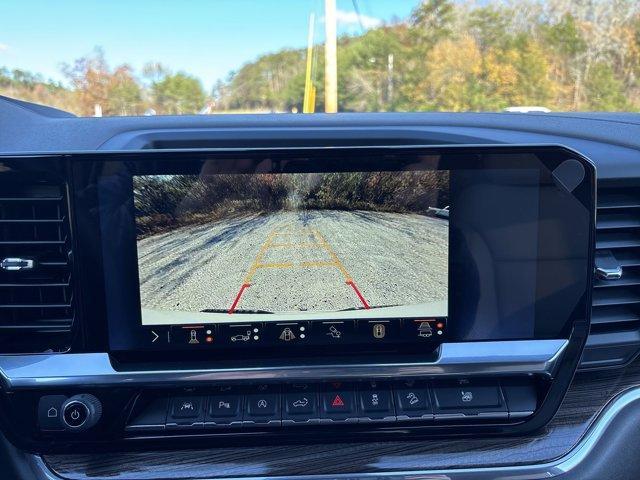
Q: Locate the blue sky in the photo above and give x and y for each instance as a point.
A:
(207, 38)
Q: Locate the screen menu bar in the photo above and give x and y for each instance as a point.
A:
(275, 333)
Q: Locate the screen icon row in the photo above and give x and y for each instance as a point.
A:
(319, 332)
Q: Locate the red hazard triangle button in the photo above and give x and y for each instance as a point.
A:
(338, 404)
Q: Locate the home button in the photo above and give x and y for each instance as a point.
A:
(49, 408)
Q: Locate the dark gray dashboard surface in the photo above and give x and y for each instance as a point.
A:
(611, 139)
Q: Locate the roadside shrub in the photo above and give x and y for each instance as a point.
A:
(164, 202)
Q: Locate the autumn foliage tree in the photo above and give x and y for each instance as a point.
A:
(447, 55)
(458, 56)
(113, 92)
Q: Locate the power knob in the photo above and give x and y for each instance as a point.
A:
(81, 412)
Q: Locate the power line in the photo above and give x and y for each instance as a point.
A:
(357, 10)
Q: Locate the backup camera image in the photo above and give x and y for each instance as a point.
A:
(219, 247)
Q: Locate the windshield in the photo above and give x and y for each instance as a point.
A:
(96, 58)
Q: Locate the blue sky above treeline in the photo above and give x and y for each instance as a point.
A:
(206, 38)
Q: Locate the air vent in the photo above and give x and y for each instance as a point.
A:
(615, 323)
(36, 300)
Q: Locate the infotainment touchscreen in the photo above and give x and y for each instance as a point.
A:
(212, 248)
(335, 251)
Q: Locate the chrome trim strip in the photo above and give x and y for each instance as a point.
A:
(582, 452)
(472, 358)
(17, 264)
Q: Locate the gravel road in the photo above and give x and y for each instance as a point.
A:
(291, 261)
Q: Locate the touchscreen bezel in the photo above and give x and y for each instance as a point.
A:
(87, 223)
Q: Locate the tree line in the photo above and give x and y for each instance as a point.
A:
(92, 84)
(567, 55)
(163, 203)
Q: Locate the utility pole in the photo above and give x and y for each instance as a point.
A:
(389, 80)
(309, 103)
(330, 58)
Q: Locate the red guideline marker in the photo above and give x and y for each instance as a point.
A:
(237, 300)
(355, 289)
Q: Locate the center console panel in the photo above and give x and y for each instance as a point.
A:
(235, 296)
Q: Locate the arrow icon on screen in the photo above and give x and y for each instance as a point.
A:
(155, 336)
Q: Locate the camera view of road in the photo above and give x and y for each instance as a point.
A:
(292, 261)
(229, 244)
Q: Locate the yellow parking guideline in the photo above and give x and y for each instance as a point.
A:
(296, 245)
(258, 259)
(320, 242)
(333, 255)
(275, 265)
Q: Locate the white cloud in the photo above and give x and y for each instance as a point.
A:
(3, 47)
(351, 19)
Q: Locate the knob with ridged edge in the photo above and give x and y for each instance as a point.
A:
(81, 412)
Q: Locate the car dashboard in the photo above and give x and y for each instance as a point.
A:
(483, 323)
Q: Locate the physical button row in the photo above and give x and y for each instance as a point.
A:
(309, 404)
